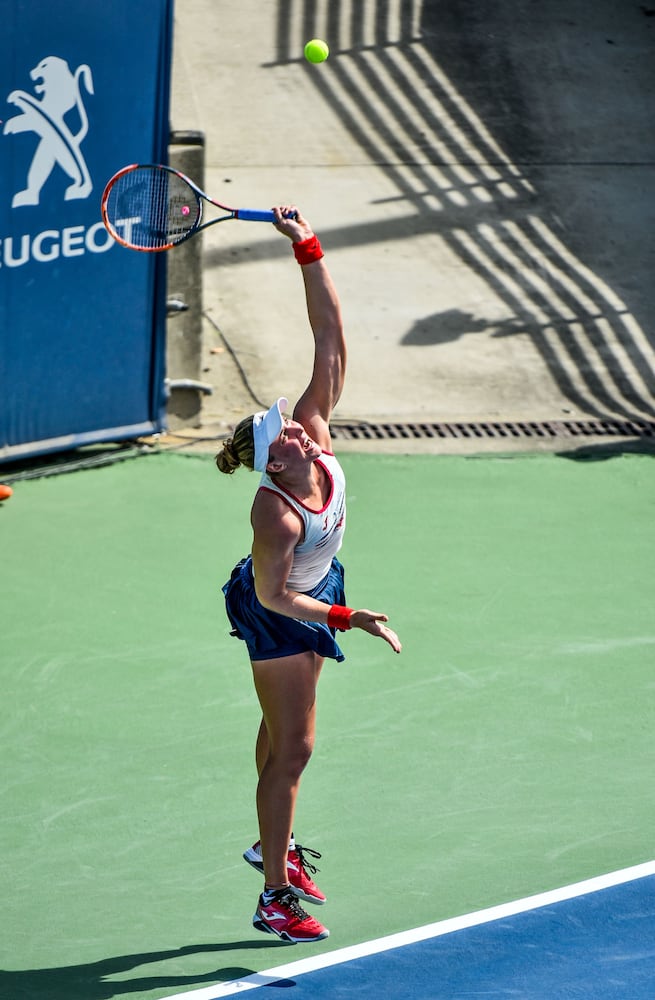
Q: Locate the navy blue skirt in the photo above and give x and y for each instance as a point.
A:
(268, 635)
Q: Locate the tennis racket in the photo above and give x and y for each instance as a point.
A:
(151, 207)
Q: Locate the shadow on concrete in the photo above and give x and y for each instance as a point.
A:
(489, 124)
(452, 324)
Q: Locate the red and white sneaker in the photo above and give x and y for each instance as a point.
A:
(299, 868)
(285, 917)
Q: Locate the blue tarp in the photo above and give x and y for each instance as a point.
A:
(84, 90)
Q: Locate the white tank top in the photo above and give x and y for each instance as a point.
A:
(324, 528)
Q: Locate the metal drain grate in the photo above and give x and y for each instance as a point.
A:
(541, 429)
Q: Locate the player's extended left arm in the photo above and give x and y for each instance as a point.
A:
(325, 319)
(330, 354)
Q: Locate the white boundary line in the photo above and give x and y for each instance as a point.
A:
(438, 929)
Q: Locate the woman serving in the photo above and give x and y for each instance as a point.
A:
(286, 600)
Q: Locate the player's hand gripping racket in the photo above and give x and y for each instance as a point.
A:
(151, 207)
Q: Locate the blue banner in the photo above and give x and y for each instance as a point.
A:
(84, 90)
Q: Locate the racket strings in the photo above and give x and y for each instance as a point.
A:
(153, 208)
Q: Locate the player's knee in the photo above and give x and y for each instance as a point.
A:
(299, 756)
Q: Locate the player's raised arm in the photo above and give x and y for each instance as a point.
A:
(314, 408)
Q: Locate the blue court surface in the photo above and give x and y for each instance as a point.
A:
(593, 940)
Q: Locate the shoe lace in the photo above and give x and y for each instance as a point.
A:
(291, 901)
(302, 853)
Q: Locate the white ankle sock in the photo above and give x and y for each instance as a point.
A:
(269, 895)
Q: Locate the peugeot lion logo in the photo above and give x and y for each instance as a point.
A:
(57, 143)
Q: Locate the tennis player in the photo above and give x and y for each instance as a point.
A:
(286, 600)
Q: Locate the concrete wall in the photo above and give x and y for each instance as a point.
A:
(184, 296)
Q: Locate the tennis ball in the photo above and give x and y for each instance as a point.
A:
(316, 50)
(5, 491)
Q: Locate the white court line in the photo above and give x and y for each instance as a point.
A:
(438, 929)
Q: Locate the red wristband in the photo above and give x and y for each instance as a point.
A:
(339, 617)
(307, 251)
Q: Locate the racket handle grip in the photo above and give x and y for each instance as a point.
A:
(255, 215)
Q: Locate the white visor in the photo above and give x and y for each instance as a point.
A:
(266, 426)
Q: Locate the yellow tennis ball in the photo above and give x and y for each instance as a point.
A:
(316, 50)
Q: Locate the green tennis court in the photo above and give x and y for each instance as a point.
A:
(507, 751)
